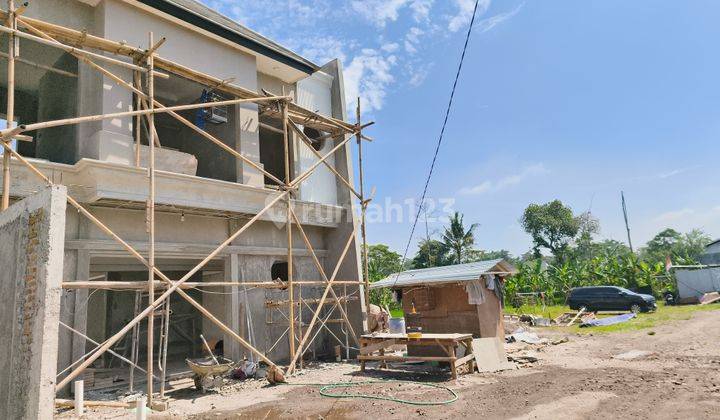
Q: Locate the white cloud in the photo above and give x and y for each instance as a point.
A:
(323, 49)
(412, 38)
(379, 12)
(505, 182)
(491, 22)
(674, 215)
(421, 9)
(390, 47)
(368, 75)
(481, 188)
(464, 13)
(417, 73)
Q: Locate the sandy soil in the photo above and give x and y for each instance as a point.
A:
(673, 373)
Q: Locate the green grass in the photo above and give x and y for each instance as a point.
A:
(550, 311)
(650, 320)
(396, 313)
(642, 321)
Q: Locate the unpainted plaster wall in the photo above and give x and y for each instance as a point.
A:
(32, 232)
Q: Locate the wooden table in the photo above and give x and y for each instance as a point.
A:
(378, 342)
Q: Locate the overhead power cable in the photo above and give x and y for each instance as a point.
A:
(440, 138)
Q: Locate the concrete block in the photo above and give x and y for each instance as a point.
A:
(32, 233)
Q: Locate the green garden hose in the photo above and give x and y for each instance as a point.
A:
(324, 388)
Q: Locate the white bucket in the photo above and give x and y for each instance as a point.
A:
(397, 325)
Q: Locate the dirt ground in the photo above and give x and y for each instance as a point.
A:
(672, 372)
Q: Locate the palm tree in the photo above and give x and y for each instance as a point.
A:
(457, 239)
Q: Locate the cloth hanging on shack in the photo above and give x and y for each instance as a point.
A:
(494, 283)
(476, 295)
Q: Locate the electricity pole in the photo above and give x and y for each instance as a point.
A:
(627, 225)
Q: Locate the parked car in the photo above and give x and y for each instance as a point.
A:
(610, 298)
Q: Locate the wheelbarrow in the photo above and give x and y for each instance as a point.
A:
(208, 371)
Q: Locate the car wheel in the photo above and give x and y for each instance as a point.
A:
(635, 308)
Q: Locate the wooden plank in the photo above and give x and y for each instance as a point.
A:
(461, 361)
(580, 312)
(425, 336)
(377, 346)
(387, 358)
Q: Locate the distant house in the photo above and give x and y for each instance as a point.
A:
(692, 283)
(462, 298)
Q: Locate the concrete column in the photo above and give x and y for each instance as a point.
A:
(82, 273)
(232, 307)
(249, 145)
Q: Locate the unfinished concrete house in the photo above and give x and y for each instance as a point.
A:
(209, 186)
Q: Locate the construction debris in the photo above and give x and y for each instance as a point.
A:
(708, 298)
(526, 337)
(612, 320)
(633, 355)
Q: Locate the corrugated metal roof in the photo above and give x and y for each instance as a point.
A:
(447, 274)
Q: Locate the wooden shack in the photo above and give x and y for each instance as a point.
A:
(462, 298)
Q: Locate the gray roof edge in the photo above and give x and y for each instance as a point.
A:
(445, 274)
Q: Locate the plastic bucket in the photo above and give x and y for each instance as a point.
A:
(397, 325)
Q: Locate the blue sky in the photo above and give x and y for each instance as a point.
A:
(574, 100)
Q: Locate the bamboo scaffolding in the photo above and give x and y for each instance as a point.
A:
(307, 141)
(174, 285)
(151, 219)
(40, 66)
(72, 50)
(320, 268)
(296, 113)
(363, 207)
(288, 228)
(329, 286)
(11, 23)
(99, 117)
(143, 285)
(146, 106)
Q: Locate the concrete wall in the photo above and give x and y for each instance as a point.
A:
(314, 93)
(32, 232)
(57, 99)
(694, 283)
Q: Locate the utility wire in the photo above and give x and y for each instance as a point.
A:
(440, 139)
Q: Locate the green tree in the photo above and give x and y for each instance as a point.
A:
(681, 248)
(474, 255)
(457, 239)
(431, 253)
(588, 227)
(382, 262)
(551, 226)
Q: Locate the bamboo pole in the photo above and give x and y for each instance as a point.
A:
(100, 117)
(10, 104)
(329, 286)
(363, 206)
(288, 228)
(151, 223)
(118, 355)
(41, 66)
(143, 285)
(320, 268)
(306, 140)
(310, 170)
(135, 335)
(138, 120)
(69, 49)
(164, 340)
